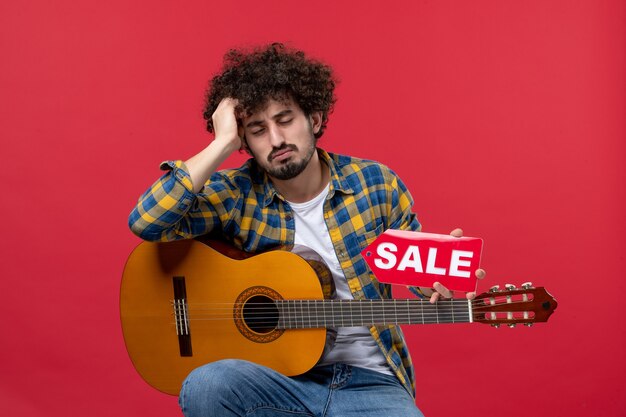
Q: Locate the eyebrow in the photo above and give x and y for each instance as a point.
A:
(275, 117)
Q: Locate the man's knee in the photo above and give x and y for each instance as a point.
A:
(213, 386)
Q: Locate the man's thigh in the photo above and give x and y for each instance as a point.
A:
(366, 393)
(231, 388)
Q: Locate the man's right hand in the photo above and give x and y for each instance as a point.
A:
(227, 131)
(228, 139)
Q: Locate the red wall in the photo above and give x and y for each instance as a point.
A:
(503, 117)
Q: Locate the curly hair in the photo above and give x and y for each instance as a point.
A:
(272, 72)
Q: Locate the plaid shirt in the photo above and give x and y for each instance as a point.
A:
(365, 199)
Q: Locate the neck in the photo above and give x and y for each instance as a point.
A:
(307, 185)
(296, 314)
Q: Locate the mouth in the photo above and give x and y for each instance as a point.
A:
(281, 154)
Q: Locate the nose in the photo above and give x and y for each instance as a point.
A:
(276, 136)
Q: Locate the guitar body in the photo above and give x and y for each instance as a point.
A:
(166, 341)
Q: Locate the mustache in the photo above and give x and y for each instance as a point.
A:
(285, 146)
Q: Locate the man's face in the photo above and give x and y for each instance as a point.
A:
(281, 138)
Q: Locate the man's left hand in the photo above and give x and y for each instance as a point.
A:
(439, 291)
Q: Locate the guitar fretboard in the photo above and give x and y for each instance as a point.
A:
(298, 314)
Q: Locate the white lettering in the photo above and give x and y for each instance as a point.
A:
(456, 262)
(411, 259)
(430, 263)
(384, 251)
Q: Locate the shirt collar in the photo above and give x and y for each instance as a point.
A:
(338, 181)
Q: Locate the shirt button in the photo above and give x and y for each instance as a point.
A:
(288, 217)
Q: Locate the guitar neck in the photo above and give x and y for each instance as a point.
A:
(298, 314)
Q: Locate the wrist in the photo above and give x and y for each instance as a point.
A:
(227, 144)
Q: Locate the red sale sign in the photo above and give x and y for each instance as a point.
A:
(421, 259)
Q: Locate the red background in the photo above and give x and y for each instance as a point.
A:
(503, 117)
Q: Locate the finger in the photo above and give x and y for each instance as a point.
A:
(443, 290)
(457, 232)
(480, 273)
(470, 295)
(226, 102)
(435, 297)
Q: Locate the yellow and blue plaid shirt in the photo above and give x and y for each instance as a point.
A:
(241, 205)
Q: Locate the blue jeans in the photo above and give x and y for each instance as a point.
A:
(231, 388)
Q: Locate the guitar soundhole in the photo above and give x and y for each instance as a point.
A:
(256, 315)
(260, 314)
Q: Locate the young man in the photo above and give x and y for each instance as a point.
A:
(274, 103)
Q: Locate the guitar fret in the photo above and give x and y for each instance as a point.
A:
(383, 314)
(341, 312)
(452, 319)
(351, 321)
(446, 308)
(361, 309)
(408, 311)
(301, 315)
(395, 310)
(317, 317)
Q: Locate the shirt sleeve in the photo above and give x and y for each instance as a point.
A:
(402, 215)
(170, 210)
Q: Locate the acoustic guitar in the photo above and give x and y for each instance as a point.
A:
(184, 304)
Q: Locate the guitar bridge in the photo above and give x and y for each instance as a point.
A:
(181, 316)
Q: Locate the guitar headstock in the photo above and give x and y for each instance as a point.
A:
(511, 306)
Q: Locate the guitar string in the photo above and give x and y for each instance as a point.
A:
(388, 302)
(348, 305)
(367, 318)
(302, 311)
(450, 309)
(316, 322)
(302, 315)
(475, 302)
(381, 304)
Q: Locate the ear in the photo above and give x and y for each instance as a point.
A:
(316, 121)
(244, 145)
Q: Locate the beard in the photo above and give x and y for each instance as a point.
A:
(289, 169)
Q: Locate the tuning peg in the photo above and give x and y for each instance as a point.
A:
(495, 325)
(527, 285)
(509, 286)
(495, 288)
(528, 324)
(511, 325)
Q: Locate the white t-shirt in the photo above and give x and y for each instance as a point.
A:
(354, 345)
